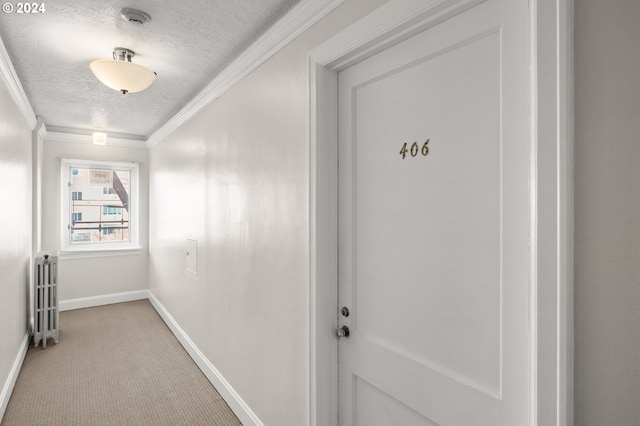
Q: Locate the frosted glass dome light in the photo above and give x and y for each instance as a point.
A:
(121, 74)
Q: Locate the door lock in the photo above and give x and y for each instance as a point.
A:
(342, 332)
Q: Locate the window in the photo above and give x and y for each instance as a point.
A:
(108, 230)
(99, 205)
(111, 209)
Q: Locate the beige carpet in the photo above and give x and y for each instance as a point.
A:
(115, 365)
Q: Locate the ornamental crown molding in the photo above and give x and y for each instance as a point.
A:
(11, 80)
(294, 23)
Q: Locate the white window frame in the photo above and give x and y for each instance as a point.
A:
(65, 207)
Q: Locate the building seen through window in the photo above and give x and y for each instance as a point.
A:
(99, 205)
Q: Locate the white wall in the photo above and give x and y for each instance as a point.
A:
(94, 276)
(15, 230)
(236, 178)
(607, 213)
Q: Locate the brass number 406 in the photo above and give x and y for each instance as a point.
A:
(413, 150)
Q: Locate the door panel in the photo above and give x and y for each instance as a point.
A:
(374, 406)
(424, 217)
(426, 207)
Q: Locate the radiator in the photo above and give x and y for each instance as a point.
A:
(45, 310)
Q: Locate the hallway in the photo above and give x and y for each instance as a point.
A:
(230, 226)
(227, 172)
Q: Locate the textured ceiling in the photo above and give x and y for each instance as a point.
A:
(187, 43)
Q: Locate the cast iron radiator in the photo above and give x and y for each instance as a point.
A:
(45, 297)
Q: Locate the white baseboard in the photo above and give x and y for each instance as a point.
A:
(106, 299)
(7, 389)
(235, 402)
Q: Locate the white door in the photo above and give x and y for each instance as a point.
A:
(434, 247)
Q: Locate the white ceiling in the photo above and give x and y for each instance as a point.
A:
(187, 43)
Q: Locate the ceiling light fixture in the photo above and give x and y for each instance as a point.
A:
(99, 138)
(121, 74)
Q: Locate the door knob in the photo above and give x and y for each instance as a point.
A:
(342, 332)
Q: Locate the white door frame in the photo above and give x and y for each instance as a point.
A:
(551, 183)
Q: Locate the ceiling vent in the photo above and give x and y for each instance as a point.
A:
(135, 16)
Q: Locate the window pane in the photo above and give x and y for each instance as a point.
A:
(99, 205)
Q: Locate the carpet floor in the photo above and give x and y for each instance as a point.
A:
(115, 365)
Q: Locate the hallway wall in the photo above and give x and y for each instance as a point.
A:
(97, 275)
(607, 213)
(15, 230)
(235, 177)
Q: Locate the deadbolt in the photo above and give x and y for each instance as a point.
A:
(342, 332)
(344, 311)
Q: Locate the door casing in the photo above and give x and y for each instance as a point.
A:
(551, 182)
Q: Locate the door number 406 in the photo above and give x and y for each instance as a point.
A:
(414, 149)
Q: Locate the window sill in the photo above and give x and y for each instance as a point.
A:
(98, 253)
